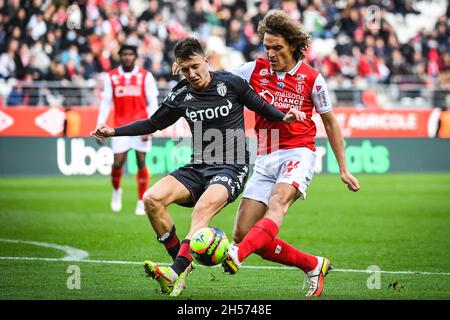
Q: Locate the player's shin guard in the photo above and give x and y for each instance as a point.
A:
(116, 175)
(142, 181)
(259, 236)
(171, 242)
(183, 258)
(282, 252)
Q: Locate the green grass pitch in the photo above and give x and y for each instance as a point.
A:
(398, 223)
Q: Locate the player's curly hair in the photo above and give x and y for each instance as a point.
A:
(278, 23)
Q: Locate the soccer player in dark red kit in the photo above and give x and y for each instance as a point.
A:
(285, 160)
(134, 93)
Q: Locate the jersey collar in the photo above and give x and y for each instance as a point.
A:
(290, 72)
(295, 68)
(128, 74)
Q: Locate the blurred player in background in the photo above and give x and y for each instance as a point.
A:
(286, 156)
(134, 93)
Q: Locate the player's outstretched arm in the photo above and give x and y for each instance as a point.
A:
(161, 119)
(254, 102)
(294, 115)
(102, 131)
(337, 144)
(137, 128)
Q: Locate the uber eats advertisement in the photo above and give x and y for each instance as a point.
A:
(83, 156)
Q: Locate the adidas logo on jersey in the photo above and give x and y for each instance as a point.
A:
(188, 97)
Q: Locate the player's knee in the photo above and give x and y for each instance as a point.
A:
(152, 202)
(200, 209)
(279, 198)
(279, 203)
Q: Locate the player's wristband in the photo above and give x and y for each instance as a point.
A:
(137, 128)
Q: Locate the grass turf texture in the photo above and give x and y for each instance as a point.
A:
(396, 222)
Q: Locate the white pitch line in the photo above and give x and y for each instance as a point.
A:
(71, 253)
(245, 267)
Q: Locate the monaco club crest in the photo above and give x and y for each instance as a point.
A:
(221, 89)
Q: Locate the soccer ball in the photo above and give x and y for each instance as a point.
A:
(209, 246)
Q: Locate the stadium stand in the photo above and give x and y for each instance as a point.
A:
(382, 53)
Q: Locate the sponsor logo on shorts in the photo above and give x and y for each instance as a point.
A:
(223, 179)
(291, 165)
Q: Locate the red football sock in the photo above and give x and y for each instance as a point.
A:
(260, 235)
(282, 252)
(185, 250)
(171, 242)
(183, 258)
(142, 181)
(116, 175)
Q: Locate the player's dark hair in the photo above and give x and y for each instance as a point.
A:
(187, 47)
(128, 47)
(279, 24)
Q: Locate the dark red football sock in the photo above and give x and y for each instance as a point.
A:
(260, 235)
(183, 258)
(142, 181)
(171, 242)
(282, 252)
(116, 175)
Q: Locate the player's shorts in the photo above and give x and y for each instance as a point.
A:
(123, 144)
(291, 166)
(198, 177)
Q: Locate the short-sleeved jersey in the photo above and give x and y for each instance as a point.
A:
(302, 88)
(215, 116)
(129, 95)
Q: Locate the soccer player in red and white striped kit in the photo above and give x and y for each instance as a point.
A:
(134, 93)
(285, 160)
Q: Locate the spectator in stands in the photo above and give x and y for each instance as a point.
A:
(368, 66)
(8, 60)
(42, 27)
(15, 97)
(397, 65)
(37, 25)
(89, 66)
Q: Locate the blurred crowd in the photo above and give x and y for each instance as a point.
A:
(77, 40)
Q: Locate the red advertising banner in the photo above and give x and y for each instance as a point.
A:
(35, 121)
(355, 123)
(444, 127)
(399, 123)
(82, 120)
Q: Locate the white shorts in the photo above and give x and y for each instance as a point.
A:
(291, 166)
(123, 144)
